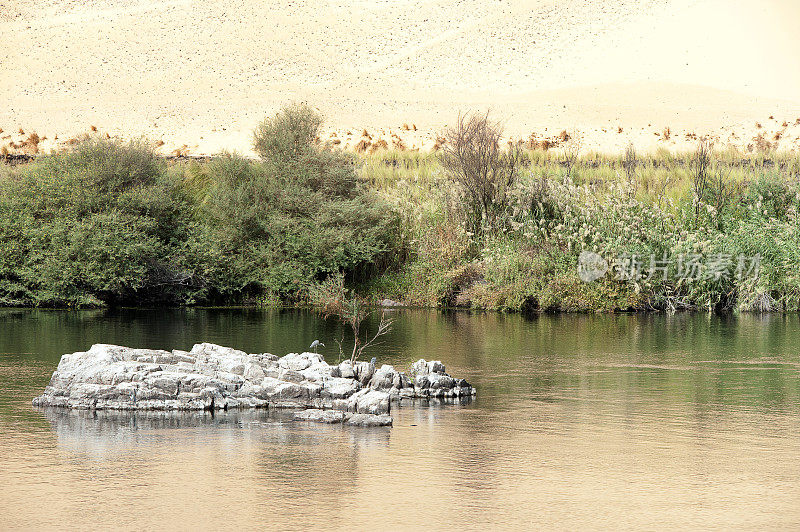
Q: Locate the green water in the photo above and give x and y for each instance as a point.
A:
(580, 421)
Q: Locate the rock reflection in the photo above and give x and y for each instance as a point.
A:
(103, 434)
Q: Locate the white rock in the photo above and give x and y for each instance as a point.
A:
(369, 420)
(346, 370)
(319, 416)
(299, 361)
(339, 388)
(213, 377)
(368, 402)
(384, 378)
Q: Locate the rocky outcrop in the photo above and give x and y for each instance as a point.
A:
(212, 377)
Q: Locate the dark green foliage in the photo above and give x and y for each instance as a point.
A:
(108, 223)
(100, 225)
(277, 233)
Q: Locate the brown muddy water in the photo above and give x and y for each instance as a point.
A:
(591, 422)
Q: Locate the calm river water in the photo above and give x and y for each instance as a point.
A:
(590, 422)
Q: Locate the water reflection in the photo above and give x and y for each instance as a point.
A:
(104, 434)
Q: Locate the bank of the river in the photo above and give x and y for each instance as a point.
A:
(110, 224)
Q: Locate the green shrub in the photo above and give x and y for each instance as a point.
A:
(280, 225)
(100, 225)
(288, 135)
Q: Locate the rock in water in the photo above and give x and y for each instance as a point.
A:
(368, 420)
(320, 416)
(213, 377)
(336, 416)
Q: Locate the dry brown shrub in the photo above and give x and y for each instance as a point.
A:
(398, 144)
(414, 127)
(785, 124)
(563, 136)
(94, 129)
(362, 146)
(667, 133)
(486, 173)
(365, 134)
(21, 131)
(379, 145)
(183, 151)
(440, 141)
(777, 136)
(771, 117)
(4, 151)
(758, 125)
(159, 143)
(762, 144)
(619, 129)
(406, 128)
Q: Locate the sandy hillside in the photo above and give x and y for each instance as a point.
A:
(198, 75)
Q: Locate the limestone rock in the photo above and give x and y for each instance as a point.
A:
(383, 378)
(365, 402)
(339, 388)
(369, 420)
(213, 377)
(320, 416)
(336, 416)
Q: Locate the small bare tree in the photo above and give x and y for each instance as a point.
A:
(629, 163)
(572, 150)
(332, 299)
(472, 158)
(700, 165)
(723, 192)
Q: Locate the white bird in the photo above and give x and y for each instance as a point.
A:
(315, 344)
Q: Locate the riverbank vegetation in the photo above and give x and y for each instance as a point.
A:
(477, 224)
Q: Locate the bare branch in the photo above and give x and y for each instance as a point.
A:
(473, 159)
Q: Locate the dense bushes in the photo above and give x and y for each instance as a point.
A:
(274, 233)
(99, 225)
(668, 207)
(477, 227)
(109, 224)
(292, 219)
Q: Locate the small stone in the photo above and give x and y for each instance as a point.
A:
(369, 420)
(319, 416)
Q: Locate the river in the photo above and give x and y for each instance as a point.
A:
(581, 421)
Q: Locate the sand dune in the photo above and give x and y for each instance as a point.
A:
(202, 74)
